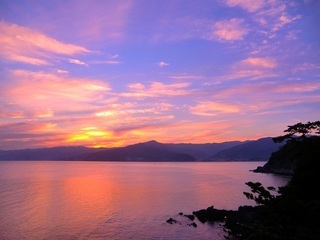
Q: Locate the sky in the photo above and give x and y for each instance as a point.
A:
(117, 72)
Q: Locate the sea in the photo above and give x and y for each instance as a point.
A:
(120, 200)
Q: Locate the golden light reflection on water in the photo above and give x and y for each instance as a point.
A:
(85, 194)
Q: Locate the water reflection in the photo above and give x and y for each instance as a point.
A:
(72, 200)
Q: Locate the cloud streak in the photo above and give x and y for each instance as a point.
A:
(230, 30)
(213, 108)
(35, 92)
(22, 44)
(157, 89)
(249, 5)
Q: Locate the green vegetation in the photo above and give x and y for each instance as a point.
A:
(294, 214)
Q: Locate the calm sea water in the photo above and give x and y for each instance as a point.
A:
(106, 200)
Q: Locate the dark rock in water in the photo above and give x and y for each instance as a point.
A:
(171, 221)
(180, 213)
(193, 224)
(212, 214)
(191, 217)
(267, 169)
(244, 221)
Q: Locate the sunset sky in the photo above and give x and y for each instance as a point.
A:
(116, 72)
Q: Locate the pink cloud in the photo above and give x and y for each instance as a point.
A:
(230, 30)
(305, 67)
(299, 87)
(25, 45)
(260, 62)
(61, 71)
(37, 91)
(125, 109)
(213, 108)
(283, 20)
(107, 62)
(260, 97)
(77, 62)
(157, 89)
(252, 69)
(187, 76)
(187, 131)
(163, 64)
(249, 5)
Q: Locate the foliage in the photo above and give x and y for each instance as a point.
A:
(294, 214)
(259, 194)
(299, 131)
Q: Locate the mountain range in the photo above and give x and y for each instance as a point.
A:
(153, 151)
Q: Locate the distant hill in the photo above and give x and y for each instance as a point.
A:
(257, 150)
(150, 151)
(54, 153)
(202, 151)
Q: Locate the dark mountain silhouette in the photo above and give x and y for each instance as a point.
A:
(258, 150)
(54, 153)
(149, 151)
(202, 151)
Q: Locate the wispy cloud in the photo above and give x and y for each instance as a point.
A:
(61, 71)
(249, 5)
(77, 62)
(22, 44)
(306, 67)
(230, 30)
(34, 92)
(107, 62)
(191, 77)
(163, 64)
(252, 69)
(124, 109)
(208, 108)
(298, 87)
(259, 62)
(157, 89)
(283, 20)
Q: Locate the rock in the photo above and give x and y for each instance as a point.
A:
(180, 213)
(212, 214)
(193, 224)
(171, 221)
(190, 216)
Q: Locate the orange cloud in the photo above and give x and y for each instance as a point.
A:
(213, 108)
(44, 94)
(179, 132)
(230, 30)
(21, 44)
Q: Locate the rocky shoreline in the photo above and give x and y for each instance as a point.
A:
(237, 220)
(280, 171)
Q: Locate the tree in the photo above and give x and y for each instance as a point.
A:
(259, 194)
(299, 131)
